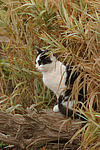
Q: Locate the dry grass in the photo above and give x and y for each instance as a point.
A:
(70, 28)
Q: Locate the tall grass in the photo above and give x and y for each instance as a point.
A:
(69, 28)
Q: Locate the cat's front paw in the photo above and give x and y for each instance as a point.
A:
(55, 108)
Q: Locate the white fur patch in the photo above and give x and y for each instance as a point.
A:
(37, 59)
(55, 78)
(69, 104)
(55, 108)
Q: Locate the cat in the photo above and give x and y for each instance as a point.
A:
(60, 79)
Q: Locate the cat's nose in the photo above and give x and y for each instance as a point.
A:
(36, 68)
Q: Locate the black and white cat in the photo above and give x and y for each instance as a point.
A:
(58, 77)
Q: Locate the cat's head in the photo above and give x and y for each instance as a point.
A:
(44, 60)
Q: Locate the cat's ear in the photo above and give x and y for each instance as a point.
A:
(39, 51)
(53, 56)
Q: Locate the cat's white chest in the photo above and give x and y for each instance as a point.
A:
(55, 79)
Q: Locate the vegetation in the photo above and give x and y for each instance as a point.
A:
(67, 27)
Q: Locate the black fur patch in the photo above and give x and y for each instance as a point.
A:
(70, 79)
(64, 110)
(68, 112)
(44, 58)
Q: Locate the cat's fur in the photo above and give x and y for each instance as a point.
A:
(58, 77)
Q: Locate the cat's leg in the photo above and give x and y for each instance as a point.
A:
(63, 107)
(66, 104)
(69, 111)
(56, 108)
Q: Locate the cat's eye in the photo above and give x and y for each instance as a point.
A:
(39, 62)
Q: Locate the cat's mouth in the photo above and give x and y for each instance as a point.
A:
(37, 68)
